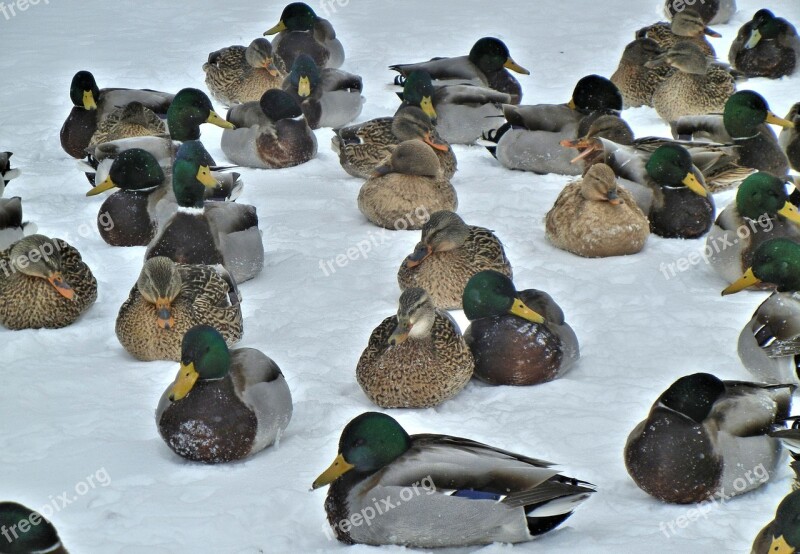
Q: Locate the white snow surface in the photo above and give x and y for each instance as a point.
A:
(74, 404)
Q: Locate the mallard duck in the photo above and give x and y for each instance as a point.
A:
(301, 31)
(790, 438)
(516, 338)
(462, 112)
(168, 299)
(789, 138)
(132, 120)
(225, 405)
(743, 123)
(447, 255)
(12, 228)
(415, 359)
(6, 171)
(766, 46)
(365, 146)
(595, 218)
(530, 140)
(239, 74)
(697, 87)
(486, 64)
(406, 184)
(92, 105)
(474, 494)
(761, 211)
(636, 80)
(686, 26)
(270, 134)
(703, 435)
(782, 534)
(207, 233)
(39, 536)
(770, 342)
(43, 283)
(328, 97)
(713, 12)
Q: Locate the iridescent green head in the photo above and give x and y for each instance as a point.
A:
(305, 76)
(418, 91)
(83, 91)
(132, 170)
(763, 194)
(745, 111)
(191, 174)
(765, 26)
(277, 104)
(670, 165)
(786, 530)
(36, 535)
(204, 357)
(189, 109)
(489, 293)
(491, 55)
(776, 261)
(593, 93)
(296, 16)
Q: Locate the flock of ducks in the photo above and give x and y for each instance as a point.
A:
(701, 435)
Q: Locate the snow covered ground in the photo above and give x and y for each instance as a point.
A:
(77, 411)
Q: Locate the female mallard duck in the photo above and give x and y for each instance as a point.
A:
(448, 254)
(782, 534)
(12, 228)
(6, 171)
(270, 134)
(133, 120)
(43, 283)
(207, 233)
(328, 97)
(462, 112)
(239, 74)
(474, 494)
(766, 46)
(761, 211)
(743, 123)
(365, 146)
(92, 105)
(516, 338)
(486, 64)
(697, 87)
(415, 359)
(301, 31)
(635, 79)
(789, 138)
(713, 12)
(769, 345)
(704, 435)
(595, 218)
(168, 300)
(530, 140)
(408, 182)
(38, 537)
(225, 405)
(686, 26)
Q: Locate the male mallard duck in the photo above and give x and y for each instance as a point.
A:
(713, 12)
(6, 171)
(769, 344)
(132, 120)
(415, 359)
(447, 255)
(239, 74)
(516, 338)
(743, 123)
(409, 181)
(168, 299)
(92, 105)
(486, 65)
(686, 26)
(12, 228)
(704, 435)
(328, 97)
(766, 46)
(782, 534)
(365, 146)
(791, 441)
(462, 112)
(225, 405)
(635, 79)
(39, 536)
(207, 233)
(270, 134)
(474, 494)
(301, 31)
(761, 211)
(43, 283)
(595, 218)
(530, 140)
(789, 138)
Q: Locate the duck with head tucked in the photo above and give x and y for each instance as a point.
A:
(6, 171)
(705, 437)
(447, 255)
(766, 46)
(12, 228)
(474, 494)
(239, 74)
(301, 31)
(224, 405)
(782, 534)
(415, 359)
(686, 26)
(635, 77)
(38, 537)
(516, 337)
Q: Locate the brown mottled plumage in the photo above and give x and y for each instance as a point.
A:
(239, 74)
(133, 120)
(635, 81)
(687, 25)
(194, 294)
(416, 359)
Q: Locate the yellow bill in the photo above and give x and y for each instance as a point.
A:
(775, 120)
(215, 119)
(746, 280)
(281, 26)
(694, 185)
(304, 87)
(523, 311)
(187, 377)
(780, 546)
(204, 176)
(514, 66)
(427, 106)
(755, 38)
(338, 468)
(107, 184)
(88, 100)
(790, 212)
(571, 104)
